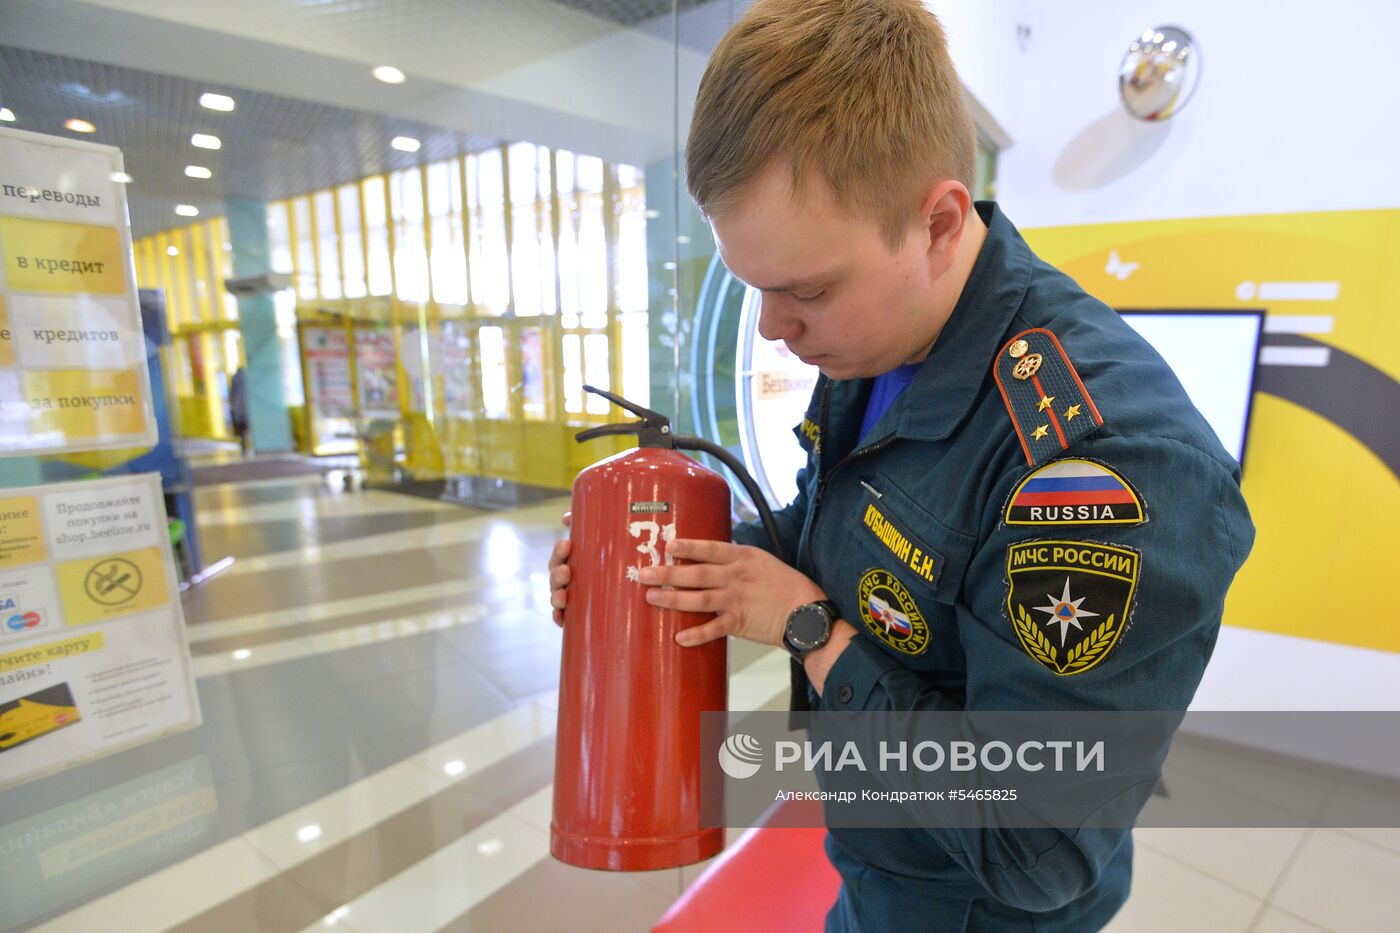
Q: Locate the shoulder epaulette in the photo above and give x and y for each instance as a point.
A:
(1045, 397)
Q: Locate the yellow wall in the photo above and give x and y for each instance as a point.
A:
(190, 264)
(1324, 502)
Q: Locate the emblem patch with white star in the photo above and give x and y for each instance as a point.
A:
(1069, 601)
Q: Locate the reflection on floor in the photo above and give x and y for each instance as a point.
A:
(377, 674)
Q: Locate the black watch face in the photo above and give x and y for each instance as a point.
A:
(808, 626)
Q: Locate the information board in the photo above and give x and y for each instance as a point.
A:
(327, 351)
(93, 656)
(72, 354)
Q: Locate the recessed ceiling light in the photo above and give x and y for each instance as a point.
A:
(80, 126)
(186, 210)
(388, 74)
(405, 143)
(216, 102)
(172, 251)
(121, 178)
(7, 114)
(198, 171)
(205, 141)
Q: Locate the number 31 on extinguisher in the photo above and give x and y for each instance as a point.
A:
(651, 532)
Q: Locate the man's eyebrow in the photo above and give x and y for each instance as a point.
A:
(800, 285)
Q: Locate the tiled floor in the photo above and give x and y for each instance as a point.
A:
(377, 674)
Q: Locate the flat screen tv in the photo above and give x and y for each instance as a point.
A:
(1215, 354)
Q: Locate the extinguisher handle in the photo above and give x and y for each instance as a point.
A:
(626, 427)
(654, 430)
(646, 414)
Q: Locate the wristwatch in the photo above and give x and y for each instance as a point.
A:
(809, 627)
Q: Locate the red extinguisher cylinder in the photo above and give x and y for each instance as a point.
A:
(628, 757)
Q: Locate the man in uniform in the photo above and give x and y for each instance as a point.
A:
(1009, 503)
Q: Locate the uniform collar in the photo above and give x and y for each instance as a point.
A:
(949, 383)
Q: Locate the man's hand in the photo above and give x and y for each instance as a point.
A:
(750, 590)
(559, 574)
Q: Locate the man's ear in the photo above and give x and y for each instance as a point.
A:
(943, 215)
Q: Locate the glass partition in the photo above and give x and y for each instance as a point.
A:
(433, 271)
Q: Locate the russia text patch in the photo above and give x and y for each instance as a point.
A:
(1075, 492)
(1069, 601)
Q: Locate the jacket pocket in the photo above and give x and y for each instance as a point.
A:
(907, 538)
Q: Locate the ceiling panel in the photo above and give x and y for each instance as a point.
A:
(273, 146)
(630, 12)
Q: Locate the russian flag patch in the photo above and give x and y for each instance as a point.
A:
(1075, 492)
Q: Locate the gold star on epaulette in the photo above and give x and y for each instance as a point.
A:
(1043, 394)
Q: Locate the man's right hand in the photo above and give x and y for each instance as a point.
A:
(559, 574)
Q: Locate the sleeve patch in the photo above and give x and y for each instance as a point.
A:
(1069, 601)
(1075, 492)
(1045, 397)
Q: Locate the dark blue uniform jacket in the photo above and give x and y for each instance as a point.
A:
(925, 536)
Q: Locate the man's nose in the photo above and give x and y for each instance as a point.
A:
(776, 322)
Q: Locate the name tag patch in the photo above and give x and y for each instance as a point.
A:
(925, 562)
(1075, 492)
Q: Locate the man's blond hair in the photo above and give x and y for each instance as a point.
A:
(861, 91)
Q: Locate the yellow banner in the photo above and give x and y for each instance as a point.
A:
(21, 532)
(1317, 480)
(47, 654)
(94, 589)
(62, 259)
(82, 405)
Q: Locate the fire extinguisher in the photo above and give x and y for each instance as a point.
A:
(627, 755)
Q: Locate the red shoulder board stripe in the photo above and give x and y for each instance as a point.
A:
(1045, 397)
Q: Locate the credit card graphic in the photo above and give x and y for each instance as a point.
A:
(37, 714)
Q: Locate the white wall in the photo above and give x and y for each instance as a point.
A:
(986, 50)
(1291, 114)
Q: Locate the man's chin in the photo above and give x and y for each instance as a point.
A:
(832, 368)
(828, 365)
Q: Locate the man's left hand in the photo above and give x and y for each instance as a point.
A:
(751, 592)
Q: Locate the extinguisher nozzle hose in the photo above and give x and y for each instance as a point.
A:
(765, 514)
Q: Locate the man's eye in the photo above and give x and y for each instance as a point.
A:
(812, 297)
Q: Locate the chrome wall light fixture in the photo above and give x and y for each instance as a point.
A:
(1159, 73)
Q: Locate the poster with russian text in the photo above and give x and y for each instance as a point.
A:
(72, 354)
(327, 351)
(93, 656)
